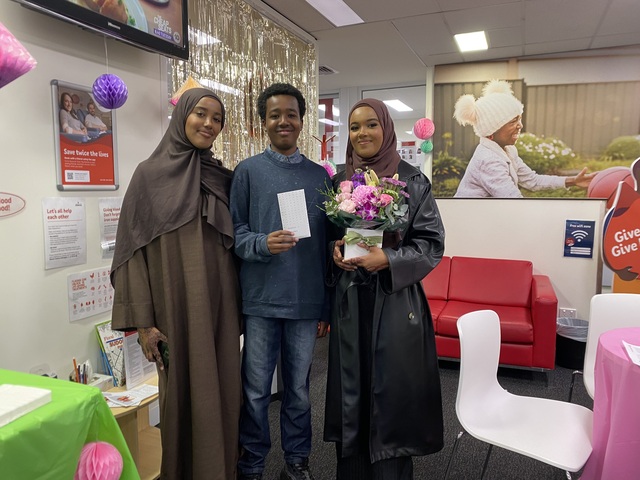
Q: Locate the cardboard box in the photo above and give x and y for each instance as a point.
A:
(103, 382)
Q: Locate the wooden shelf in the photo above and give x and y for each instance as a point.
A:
(143, 440)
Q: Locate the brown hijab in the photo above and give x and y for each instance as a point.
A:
(165, 190)
(385, 162)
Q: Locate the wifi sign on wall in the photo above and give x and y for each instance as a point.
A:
(578, 239)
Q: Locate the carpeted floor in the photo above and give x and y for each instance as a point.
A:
(503, 465)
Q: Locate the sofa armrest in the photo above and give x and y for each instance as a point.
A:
(544, 309)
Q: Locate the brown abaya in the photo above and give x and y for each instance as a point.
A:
(180, 277)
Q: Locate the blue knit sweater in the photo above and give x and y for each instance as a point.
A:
(291, 284)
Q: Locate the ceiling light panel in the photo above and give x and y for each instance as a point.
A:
(336, 11)
(398, 106)
(471, 42)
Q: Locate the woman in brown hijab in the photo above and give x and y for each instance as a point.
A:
(175, 282)
(383, 388)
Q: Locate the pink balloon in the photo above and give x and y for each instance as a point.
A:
(99, 461)
(15, 60)
(424, 128)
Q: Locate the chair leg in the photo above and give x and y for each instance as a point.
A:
(486, 462)
(453, 451)
(573, 382)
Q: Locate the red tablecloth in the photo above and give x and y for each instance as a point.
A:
(616, 410)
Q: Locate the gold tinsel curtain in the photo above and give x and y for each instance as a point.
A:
(252, 53)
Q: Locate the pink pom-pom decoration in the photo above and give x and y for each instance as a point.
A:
(426, 146)
(110, 91)
(424, 128)
(99, 461)
(329, 166)
(15, 60)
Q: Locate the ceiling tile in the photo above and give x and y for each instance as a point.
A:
(622, 16)
(553, 47)
(300, 13)
(504, 37)
(449, 5)
(372, 11)
(485, 18)
(426, 34)
(551, 20)
(367, 54)
(604, 41)
(493, 54)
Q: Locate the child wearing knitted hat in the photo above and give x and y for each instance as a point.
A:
(495, 169)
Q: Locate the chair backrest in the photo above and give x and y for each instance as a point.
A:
(608, 311)
(478, 385)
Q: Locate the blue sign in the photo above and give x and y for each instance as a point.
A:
(578, 238)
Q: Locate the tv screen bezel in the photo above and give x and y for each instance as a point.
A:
(88, 19)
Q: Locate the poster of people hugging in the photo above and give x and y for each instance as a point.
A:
(85, 139)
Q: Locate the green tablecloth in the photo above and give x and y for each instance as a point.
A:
(45, 444)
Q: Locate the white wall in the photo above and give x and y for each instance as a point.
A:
(529, 229)
(551, 71)
(34, 318)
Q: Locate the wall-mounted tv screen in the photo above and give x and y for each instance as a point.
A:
(155, 25)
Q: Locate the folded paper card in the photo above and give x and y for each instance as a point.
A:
(355, 236)
(293, 213)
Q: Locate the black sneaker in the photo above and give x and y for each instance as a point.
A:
(296, 471)
(249, 476)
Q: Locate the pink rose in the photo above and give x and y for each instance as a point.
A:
(385, 200)
(341, 197)
(348, 206)
(346, 186)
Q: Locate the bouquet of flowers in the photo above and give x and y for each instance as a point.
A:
(368, 202)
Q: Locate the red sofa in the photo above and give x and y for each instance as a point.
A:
(526, 304)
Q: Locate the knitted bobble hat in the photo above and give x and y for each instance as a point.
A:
(495, 108)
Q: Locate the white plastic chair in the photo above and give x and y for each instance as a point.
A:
(555, 432)
(607, 312)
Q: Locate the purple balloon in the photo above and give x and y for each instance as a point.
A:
(110, 91)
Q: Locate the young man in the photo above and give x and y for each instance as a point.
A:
(282, 283)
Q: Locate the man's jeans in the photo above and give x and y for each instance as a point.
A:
(264, 339)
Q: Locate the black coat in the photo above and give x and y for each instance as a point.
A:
(405, 400)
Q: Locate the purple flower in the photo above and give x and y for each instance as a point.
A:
(368, 211)
(392, 181)
(358, 179)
